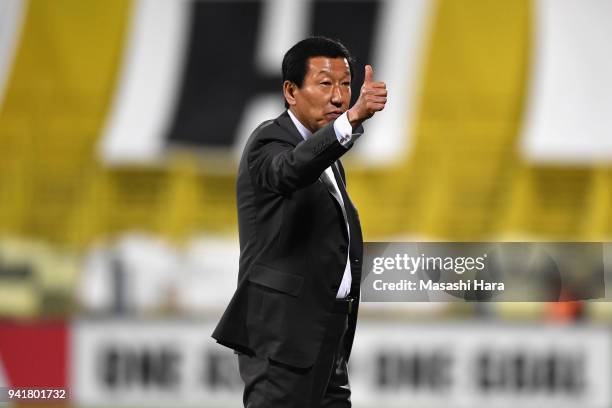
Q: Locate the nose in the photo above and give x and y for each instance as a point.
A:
(336, 97)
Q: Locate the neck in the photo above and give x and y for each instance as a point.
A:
(302, 121)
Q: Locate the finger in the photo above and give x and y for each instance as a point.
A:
(374, 91)
(378, 85)
(377, 99)
(369, 74)
(378, 92)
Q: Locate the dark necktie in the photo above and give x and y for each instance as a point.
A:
(332, 190)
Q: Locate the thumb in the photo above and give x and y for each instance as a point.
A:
(369, 74)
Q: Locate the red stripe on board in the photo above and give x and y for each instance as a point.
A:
(34, 354)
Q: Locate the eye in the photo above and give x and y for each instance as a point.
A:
(346, 83)
(326, 83)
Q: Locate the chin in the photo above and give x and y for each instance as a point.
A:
(324, 123)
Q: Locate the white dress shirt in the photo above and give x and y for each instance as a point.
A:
(344, 133)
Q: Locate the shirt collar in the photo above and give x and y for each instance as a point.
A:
(301, 128)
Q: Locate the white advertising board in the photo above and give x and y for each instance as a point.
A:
(175, 363)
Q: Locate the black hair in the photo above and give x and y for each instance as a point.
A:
(295, 61)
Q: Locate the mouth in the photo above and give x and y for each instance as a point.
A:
(333, 115)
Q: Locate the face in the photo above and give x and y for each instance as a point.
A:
(325, 93)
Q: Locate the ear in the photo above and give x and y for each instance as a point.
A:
(289, 89)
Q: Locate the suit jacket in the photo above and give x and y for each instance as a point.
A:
(293, 245)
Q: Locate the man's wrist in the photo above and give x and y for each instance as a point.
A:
(353, 118)
(343, 130)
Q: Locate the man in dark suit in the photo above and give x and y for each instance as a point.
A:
(292, 319)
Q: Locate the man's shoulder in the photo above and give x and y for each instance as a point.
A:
(263, 126)
(272, 129)
(267, 129)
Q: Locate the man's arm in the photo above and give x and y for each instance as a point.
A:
(282, 168)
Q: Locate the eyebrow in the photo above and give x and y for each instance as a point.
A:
(327, 71)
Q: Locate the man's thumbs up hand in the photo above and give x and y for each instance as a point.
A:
(372, 99)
